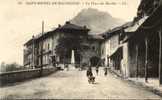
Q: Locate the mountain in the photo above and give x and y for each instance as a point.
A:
(96, 20)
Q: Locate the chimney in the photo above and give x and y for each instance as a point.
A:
(67, 22)
(59, 25)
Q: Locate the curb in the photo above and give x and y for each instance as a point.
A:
(149, 88)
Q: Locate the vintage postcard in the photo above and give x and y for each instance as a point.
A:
(81, 49)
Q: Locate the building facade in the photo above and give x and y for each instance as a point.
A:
(55, 46)
(113, 51)
(131, 50)
(144, 41)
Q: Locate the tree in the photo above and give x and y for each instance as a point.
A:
(2, 67)
(94, 61)
(10, 67)
(68, 43)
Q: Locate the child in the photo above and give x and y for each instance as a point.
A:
(90, 76)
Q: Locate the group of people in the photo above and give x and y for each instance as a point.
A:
(90, 76)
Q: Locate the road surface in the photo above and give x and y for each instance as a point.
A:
(73, 84)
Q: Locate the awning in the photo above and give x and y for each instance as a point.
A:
(136, 25)
(146, 23)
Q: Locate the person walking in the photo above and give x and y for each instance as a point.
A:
(89, 72)
(97, 69)
(90, 76)
(106, 70)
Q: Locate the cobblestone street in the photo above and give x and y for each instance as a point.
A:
(73, 84)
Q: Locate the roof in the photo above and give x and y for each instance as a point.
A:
(95, 37)
(129, 31)
(135, 25)
(39, 36)
(116, 52)
(67, 27)
(149, 24)
(154, 19)
(145, 3)
(70, 26)
(116, 30)
(29, 41)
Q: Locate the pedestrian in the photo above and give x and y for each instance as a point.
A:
(66, 66)
(89, 72)
(90, 76)
(105, 69)
(103, 62)
(97, 69)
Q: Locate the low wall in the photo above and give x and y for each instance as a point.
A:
(16, 76)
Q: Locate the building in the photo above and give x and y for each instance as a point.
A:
(143, 41)
(131, 50)
(55, 46)
(134, 49)
(112, 50)
(93, 54)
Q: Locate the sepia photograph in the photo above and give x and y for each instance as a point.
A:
(81, 49)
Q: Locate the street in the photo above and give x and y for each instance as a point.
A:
(73, 84)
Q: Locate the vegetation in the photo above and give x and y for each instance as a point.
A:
(66, 45)
(10, 67)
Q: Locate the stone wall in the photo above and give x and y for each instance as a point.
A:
(92, 51)
(124, 62)
(16, 76)
(132, 59)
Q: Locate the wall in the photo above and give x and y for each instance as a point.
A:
(124, 62)
(49, 45)
(15, 76)
(94, 50)
(153, 55)
(55, 39)
(114, 43)
(108, 47)
(115, 59)
(28, 62)
(105, 51)
(132, 58)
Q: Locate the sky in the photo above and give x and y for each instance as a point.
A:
(19, 21)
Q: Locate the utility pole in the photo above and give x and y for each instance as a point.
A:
(41, 41)
(146, 60)
(160, 56)
(33, 52)
(137, 60)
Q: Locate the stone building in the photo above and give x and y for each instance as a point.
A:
(43, 50)
(113, 50)
(93, 54)
(143, 41)
(131, 50)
